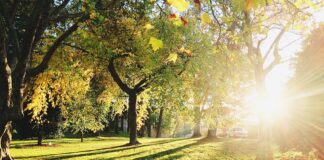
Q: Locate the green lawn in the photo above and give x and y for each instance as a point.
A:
(151, 148)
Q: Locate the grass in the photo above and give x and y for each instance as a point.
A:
(109, 148)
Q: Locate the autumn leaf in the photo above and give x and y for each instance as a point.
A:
(156, 43)
(184, 21)
(205, 19)
(172, 16)
(185, 51)
(177, 22)
(148, 26)
(180, 5)
(172, 57)
(249, 5)
(93, 15)
(197, 4)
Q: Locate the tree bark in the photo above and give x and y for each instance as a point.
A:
(149, 128)
(132, 116)
(148, 124)
(122, 123)
(212, 133)
(142, 131)
(197, 130)
(39, 136)
(82, 137)
(116, 121)
(5, 138)
(159, 127)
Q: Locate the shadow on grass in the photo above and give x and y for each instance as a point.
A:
(97, 151)
(177, 149)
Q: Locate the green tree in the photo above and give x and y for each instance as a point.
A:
(23, 27)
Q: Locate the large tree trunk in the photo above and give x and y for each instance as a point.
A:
(197, 130)
(159, 127)
(5, 138)
(132, 116)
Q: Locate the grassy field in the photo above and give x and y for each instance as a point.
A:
(151, 148)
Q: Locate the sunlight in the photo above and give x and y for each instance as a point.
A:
(271, 108)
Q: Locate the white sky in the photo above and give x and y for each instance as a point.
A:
(282, 73)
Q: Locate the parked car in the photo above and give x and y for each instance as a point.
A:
(238, 133)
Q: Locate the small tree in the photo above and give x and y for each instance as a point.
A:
(84, 117)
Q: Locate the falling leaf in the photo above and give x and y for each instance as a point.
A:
(180, 5)
(177, 22)
(172, 16)
(156, 43)
(172, 57)
(205, 19)
(249, 4)
(184, 21)
(148, 26)
(197, 4)
(185, 51)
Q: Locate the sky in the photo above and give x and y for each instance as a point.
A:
(277, 78)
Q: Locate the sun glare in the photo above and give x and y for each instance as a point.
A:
(271, 108)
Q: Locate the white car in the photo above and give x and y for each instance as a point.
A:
(238, 132)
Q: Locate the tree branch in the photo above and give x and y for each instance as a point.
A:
(116, 77)
(60, 7)
(44, 64)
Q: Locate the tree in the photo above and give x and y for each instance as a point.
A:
(137, 59)
(306, 98)
(23, 26)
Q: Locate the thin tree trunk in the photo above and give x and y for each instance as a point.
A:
(39, 136)
(122, 123)
(142, 131)
(5, 138)
(132, 116)
(82, 137)
(127, 130)
(212, 133)
(149, 128)
(159, 127)
(116, 124)
(197, 130)
(148, 124)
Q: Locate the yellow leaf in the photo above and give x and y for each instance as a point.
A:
(177, 22)
(156, 43)
(180, 5)
(172, 57)
(148, 26)
(93, 15)
(205, 19)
